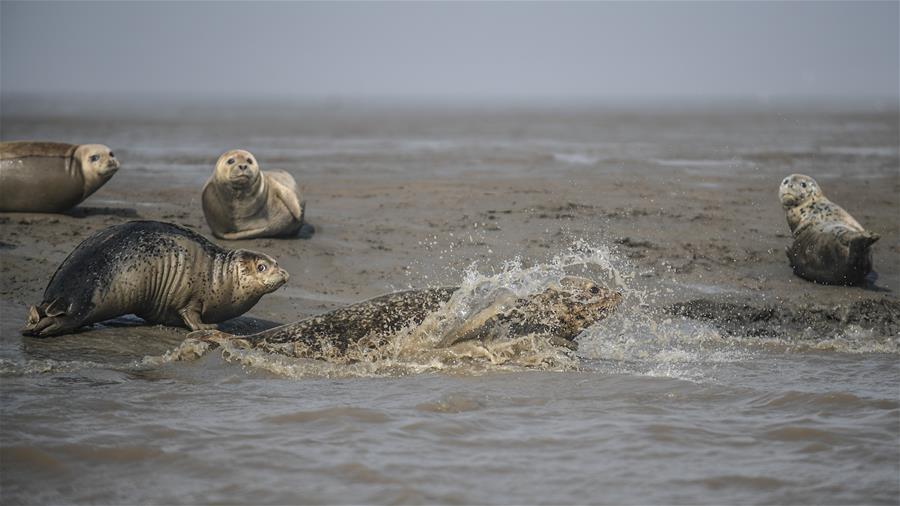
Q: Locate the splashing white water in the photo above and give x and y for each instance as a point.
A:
(637, 338)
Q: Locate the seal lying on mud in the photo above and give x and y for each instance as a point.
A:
(51, 177)
(559, 313)
(830, 246)
(158, 271)
(241, 202)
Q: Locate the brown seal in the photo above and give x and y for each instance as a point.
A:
(158, 271)
(558, 314)
(829, 246)
(242, 202)
(51, 177)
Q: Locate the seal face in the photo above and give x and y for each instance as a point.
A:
(829, 246)
(240, 201)
(559, 314)
(158, 271)
(51, 177)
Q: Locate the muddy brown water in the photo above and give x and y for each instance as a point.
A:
(658, 407)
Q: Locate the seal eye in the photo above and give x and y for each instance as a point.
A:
(112, 155)
(261, 267)
(230, 161)
(94, 158)
(250, 161)
(803, 185)
(595, 290)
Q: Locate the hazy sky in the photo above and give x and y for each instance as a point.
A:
(604, 49)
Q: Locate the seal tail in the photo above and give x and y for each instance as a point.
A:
(47, 319)
(859, 242)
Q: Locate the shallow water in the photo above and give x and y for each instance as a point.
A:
(652, 409)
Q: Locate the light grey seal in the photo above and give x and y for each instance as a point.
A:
(158, 271)
(558, 313)
(829, 246)
(51, 177)
(242, 202)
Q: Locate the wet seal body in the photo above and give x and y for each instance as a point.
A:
(51, 177)
(829, 246)
(242, 202)
(158, 271)
(559, 313)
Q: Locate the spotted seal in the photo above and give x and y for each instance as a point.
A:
(829, 246)
(159, 271)
(242, 202)
(51, 177)
(559, 313)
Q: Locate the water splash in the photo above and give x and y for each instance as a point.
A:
(636, 339)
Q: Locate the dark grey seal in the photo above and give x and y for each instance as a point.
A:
(830, 246)
(559, 313)
(158, 271)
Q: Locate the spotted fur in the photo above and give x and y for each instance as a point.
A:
(829, 246)
(559, 313)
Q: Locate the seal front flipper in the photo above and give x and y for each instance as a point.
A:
(211, 336)
(290, 200)
(191, 317)
(244, 234)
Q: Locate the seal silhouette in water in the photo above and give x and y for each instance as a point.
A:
(559, 313)
(51, 177)
(158, 271)
(829, 246)
(242, 202)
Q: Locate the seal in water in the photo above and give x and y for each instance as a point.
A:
(830, 246)
(51, 177)
(559, 313)
(158, 271)
(242, 202)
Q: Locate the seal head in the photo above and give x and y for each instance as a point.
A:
(259, 273)
(561, 312)
(796, 189)
(238, 169)
(98, 165)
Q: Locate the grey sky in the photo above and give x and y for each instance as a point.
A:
(453, 49)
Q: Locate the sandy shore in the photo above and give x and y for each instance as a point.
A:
(680, 230)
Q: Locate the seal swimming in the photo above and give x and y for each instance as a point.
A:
(830, 246)
(242, 202)
(158, 271)
(559, 313)
(51, 177)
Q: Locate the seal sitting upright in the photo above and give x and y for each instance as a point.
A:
(51, 177)
(242, 202)
(830, 246)
(158, 271)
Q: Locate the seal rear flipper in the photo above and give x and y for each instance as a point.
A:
(862, 240)
(49, 319)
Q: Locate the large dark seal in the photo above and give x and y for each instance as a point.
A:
(559, 313)
(830, 246)
(242, 202)
(51, 177)
(158, 271)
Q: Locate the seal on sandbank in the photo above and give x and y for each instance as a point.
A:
(51, 177)
(830, 246)
(242, 202)
(559, 314)
(158, 271)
